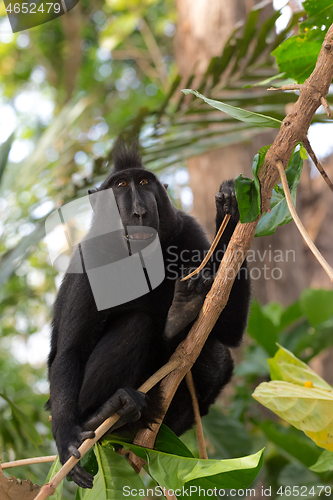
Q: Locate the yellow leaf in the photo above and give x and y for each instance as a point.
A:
(309, 409)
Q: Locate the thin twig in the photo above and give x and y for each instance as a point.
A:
(198, 424)
(212, 248)
(292, 86)
(299, 224)
(326, 106)
(49, 488)
(313, 157)
(28, 461)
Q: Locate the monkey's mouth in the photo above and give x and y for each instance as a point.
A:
(139, 236)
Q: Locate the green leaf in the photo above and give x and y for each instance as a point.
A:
(320, 14)
(89, 462)
(262, 329)
(280, 213)
(303, 153)
(255, 119)
(173, 472)
(317, 305)
(168, 442)
(292, 441)
(114, 474)
(228, 436)
(285, 366)
(55, 468)
(23, 422)
(309, 409)
(297, 57)
(248, 190)
(324, 462)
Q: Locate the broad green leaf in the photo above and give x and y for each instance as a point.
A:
(297, 57)
(248, 190)
(290, 314)
(320, 14)
(280, 214)
(55, 467)
(255, 119)
(262, 329)
(23, 422)
(324, 462)
(89, 462)
(173, 472)
(168, 442)
(309, 409)
(114, 474)
(292, 441)
(285, 366)
(248, 199)
(317, 305)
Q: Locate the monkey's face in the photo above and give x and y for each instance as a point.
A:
(135, 192)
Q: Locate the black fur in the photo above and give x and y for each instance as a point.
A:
(96, 353)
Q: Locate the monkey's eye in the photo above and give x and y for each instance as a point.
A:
(122, 183)
(143, 182)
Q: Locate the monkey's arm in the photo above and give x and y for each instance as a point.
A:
(75, 324)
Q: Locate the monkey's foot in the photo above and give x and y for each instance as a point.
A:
(68, 445)
(226, 202)
(187, 301)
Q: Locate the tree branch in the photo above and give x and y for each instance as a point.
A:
(198, 424)
(313, 157)
(293, 129)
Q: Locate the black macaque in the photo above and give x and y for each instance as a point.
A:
(99, 358)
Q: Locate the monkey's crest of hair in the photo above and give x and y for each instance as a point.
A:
(126, 155)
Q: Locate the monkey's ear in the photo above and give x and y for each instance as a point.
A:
(92, 199)
(166, 186)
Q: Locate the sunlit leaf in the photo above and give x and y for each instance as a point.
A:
(172, 471)
(255, 119)
(285, 366)
(324, 462)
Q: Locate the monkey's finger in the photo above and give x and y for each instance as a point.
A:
(74, 451)
(87, 435)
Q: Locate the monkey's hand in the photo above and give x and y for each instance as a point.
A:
(226, 202)
(187, 301)
(68, 445)
(127, 403)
